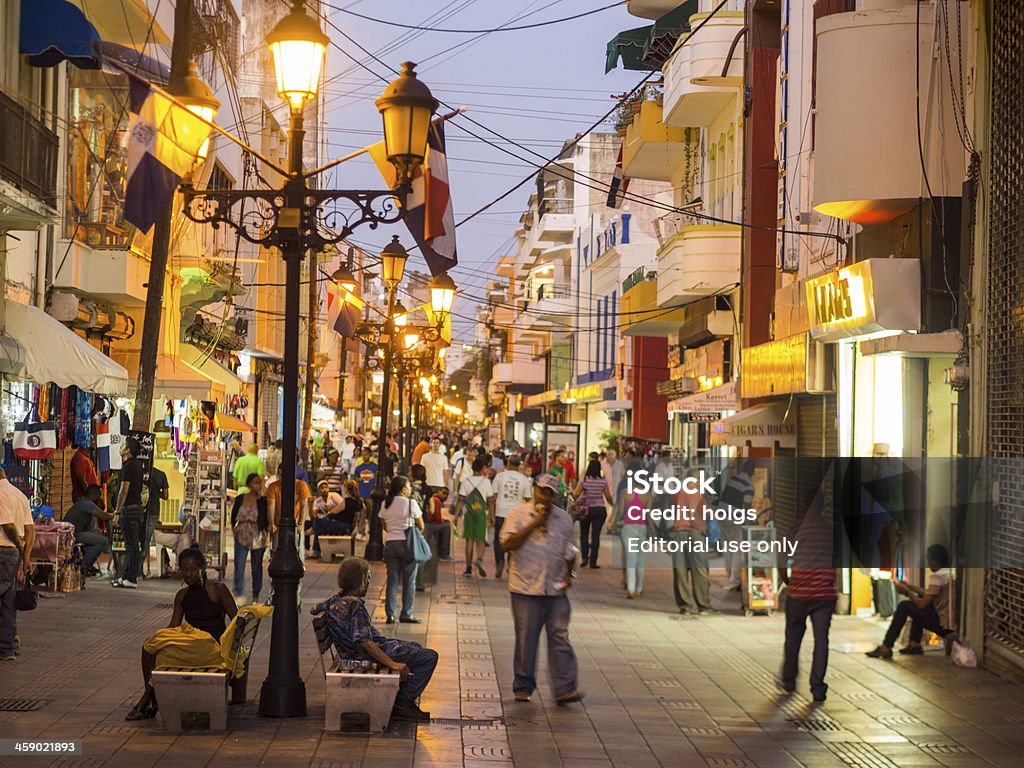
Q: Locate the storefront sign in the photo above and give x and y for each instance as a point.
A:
(871, 296)
(550, 397)
(585, 394)
(724, 398)
(775, 368)
(703, 416)
(762, 426)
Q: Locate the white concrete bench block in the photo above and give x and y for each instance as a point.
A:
(185, 692)
(356, 693)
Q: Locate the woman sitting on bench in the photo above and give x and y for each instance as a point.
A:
(355, 638)
(192, 639)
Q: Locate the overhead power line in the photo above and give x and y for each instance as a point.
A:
(517, 28)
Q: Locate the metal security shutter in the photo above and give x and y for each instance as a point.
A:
(784, 489)
(1004, 600)
(817, 445)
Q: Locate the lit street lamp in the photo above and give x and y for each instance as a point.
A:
(396, 337)
(295, 219)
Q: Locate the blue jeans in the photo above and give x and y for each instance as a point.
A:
(401, 568)
(325, 526)
(531, 613)
(133, 526)
(590, 534)
(93, 545)
(255, 564)
(10, 559)
(797, 612)
(421, 662)
(634, 561)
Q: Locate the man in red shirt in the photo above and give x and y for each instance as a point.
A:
(811, 594)
(83, 472)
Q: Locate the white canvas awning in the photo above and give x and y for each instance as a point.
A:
(52, 353)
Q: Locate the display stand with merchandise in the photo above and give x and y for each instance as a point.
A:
(760, 575)
(206, 479)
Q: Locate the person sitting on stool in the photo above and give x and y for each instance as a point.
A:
(923, 607)
(83, 515)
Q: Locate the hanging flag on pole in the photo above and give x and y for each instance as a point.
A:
(343, 313)
(164, 139)
(429, 214)
(619, 184)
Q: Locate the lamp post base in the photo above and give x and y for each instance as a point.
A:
(283, 698)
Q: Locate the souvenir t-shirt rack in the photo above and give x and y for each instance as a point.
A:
(204, 505)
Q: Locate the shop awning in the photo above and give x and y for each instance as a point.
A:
(666, 33)
(128, 22)
(648, 48)
(228, 423)
(142, 65)
(55, 354)
(200, 361)
(762, 426)
(11, 356)
(53, 31)
(629, 47)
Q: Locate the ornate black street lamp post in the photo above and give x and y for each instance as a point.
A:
(296, 219)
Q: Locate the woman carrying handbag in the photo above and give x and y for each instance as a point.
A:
(399, 513)
(591, 493)
(250, 525)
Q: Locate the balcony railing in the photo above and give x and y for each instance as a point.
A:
(28, 151)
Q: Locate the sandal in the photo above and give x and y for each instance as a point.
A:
(141, 714)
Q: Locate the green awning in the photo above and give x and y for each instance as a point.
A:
(648, 48)
(666, 33)
(629, 46)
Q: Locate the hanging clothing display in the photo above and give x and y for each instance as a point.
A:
(83, 418)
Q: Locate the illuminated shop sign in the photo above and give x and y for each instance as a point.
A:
(869, 297)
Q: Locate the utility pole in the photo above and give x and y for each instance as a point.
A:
(181, 54)
(314, 319)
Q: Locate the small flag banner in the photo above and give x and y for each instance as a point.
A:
(164, 139)
(429, 214)
(343, 310)
(619, 184)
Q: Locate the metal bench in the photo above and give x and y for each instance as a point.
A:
(184, 692)
(333, 545)
(353, 688)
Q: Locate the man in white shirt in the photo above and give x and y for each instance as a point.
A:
(511, 488)
(436, 466)
(348, 451)
(458, 463)
(17, 532)
(614, 471)
(541, 535)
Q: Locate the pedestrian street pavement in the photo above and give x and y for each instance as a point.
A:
(661, 690)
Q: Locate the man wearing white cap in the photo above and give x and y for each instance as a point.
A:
(540, 537)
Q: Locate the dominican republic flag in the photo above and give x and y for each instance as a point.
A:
(619, 184)
(343, 312)
(102, 445)
(429, 214)
(35, 441)
(164, 139)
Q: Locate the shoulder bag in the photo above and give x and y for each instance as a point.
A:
(416, 542)
(26, 598)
